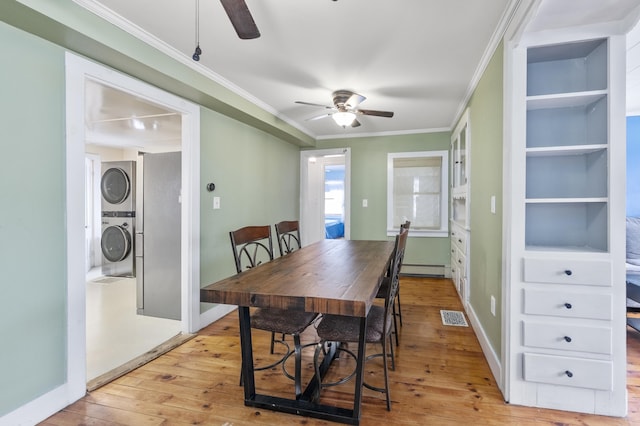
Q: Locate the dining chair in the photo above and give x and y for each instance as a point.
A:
(382, 291)
(337, 329)
(253, 245)
(288, 236)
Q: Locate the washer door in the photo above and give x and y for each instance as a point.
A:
(115, 185)
(116, 243)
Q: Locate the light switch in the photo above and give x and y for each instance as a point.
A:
(216, 203)
(493, 204)
(365, 203)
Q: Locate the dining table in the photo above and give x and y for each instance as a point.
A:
(338, 277)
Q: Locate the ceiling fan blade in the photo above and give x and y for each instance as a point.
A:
(312, 104)
(355, 123)
(318, 117)
(375, 113)
(354, 100)
(241, 18)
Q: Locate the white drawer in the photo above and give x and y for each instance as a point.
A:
(568, 271)
(567, 304)
(461, 260)
(459, 239)
(568, 337)
(567, 371)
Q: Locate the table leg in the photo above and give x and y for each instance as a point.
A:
(357, 400)
(247, 354)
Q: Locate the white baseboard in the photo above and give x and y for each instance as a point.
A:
(40, 408)
(426, 270)
(487, 349)
(214, 314)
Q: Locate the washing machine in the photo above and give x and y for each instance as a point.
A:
(117, 242)
(118, 186)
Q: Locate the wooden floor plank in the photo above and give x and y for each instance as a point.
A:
(441, 378)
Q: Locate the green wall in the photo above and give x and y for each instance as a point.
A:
(257, 179)
(32, 219)
(486, 180)
(369, 180)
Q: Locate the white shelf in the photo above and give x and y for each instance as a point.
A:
(563, 249)
(565, 100)
(565, 200)
(564, 150)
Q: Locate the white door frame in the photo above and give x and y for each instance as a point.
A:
(309, 207)
(78, 70)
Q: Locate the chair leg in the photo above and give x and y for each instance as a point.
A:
(395, 325)
(399, 307)
(316, 366)
(273, 339)
(393, 357)
(386, 370)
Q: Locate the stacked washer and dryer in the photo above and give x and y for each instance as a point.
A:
(118, 217)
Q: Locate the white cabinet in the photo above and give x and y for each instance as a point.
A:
(459, 209)
(566, 345)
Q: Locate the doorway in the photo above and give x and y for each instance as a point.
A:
(325, 200)
(80, 73)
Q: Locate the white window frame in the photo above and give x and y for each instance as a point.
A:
(443, 231)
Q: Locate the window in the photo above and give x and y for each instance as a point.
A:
(417, 185)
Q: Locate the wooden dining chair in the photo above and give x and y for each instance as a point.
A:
(288, 236)
(346, 329)
(253, 245)
(382, 291)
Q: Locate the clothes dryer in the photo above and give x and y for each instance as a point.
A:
(117, 242)
(118, 186)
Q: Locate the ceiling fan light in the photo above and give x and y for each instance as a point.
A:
(344, 118)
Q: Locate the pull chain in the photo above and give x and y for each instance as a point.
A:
(198, 51)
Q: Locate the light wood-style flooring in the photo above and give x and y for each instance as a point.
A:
(441, 378)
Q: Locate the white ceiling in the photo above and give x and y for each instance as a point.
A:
(418, 58)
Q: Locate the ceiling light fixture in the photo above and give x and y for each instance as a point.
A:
(344, 118)
(198, 51)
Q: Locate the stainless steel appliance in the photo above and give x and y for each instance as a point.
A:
(118, 186)
(117, 244)
(158, 231)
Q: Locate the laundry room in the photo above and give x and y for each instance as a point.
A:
(133, 226)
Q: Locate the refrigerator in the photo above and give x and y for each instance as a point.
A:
(158, 231)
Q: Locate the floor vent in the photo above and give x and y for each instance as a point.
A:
(453, 318)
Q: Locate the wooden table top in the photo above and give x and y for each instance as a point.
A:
(331, 276)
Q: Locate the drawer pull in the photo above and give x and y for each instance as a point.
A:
(568, 305)
(568, 271)
(567, 339)
(568, 373)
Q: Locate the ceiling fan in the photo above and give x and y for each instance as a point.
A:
(345, 108)
(241, 18)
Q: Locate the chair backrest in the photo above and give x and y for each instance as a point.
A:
(251, 246)
(403, 227)
(394, 277)
(288, 235)
(406, 225)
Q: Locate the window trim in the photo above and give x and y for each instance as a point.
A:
(443, 231)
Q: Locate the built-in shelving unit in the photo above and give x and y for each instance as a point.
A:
(459, 209)
(564, 345)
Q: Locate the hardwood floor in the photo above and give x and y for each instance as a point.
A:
(441, 378)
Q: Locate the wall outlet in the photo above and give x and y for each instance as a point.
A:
(493, 306)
